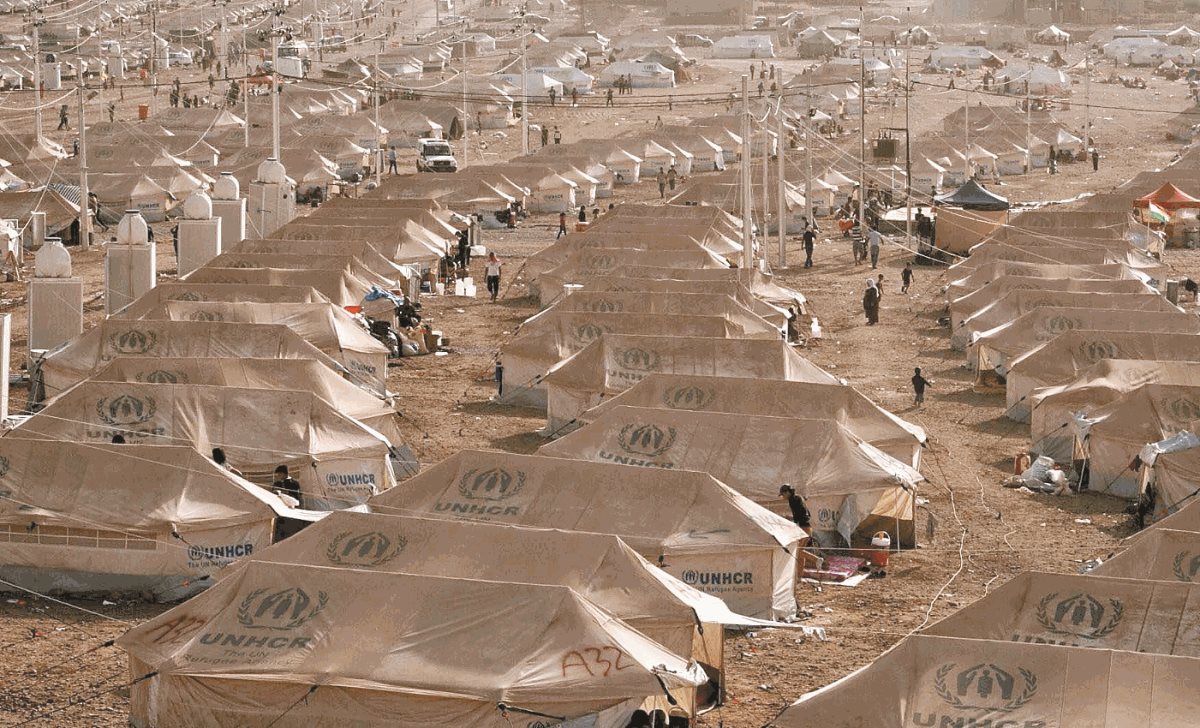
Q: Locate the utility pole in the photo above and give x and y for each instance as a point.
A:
(1087, 100)
(38, 20)
(808, 152)
(465, 116)
(85, 207)
(967, 132)
(862, 126)
(747, 221)
(781, 200)
(274, 84)
(154, 58)
(1029, 120)
(379, 153)
(908, 218)
(524, 90)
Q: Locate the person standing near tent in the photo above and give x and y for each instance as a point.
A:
(491, 272)
(283, 484)
(919, 384)
(1095, 160)
(553, 95)
(112, 112)
(906, 277)
(875, 240)
(672, 175)
(582, 213)
(810, 241)
(392, 168)
(870, 302)
(562, 225)
(800, 515)
(545, 135)
(608, 98)
(661, 178)
(557, 136)
(574, 97)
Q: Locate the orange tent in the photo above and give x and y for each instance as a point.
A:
(1168, 197)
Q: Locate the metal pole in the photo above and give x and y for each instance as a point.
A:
(1087, 100)
(524, 97)
(465, 116)
(747, 222)
(154, 58)
(781, 200)
(967, 133)
(1029, 119)
(274, 88)
(766, 190)
(862, 128)
(37, 79)
(908, 217)
(85, 207)
(379, 151)
(246, 112)
(808, 145)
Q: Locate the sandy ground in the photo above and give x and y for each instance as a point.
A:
(55, 656)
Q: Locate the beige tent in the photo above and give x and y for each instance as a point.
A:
(1170, 473)
(615, 362)
(361, 250)
(303, 375)
(1067, 355)
(228, 292)
(965, 306)
(331, 262)
(552, 336)
(396, 241)
(338, 461)
(1158, 554)
(1110, 437)
(311, 646)
(666, 244)
(762, 285)
(640, 289)
(807, 400)
(84, 355)
(950, 681)
(975, 278)
(1154, 617)
(993, 350)
(694, 527)
(599, 567)
(583, 265)
(1015, 303)
(1056, 252)
(340, 286)
(80, 517)
(737, 304)
(1106, 381)
(852, 489)
(326, 326)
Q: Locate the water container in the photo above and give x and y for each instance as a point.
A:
(881, 543)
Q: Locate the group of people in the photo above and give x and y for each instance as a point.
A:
(623, 84)
(666, 179)
(546, 135)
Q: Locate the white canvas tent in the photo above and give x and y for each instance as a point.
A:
(145, 519)
(693, 526)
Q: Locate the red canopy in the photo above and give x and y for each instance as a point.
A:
(1168, 197)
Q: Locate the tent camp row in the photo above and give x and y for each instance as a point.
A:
(1065, 311)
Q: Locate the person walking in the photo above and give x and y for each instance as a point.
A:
(919, 384)
(608, 98)
(557, 136)
(562, 225)
(906, 277)
(661, 178)
(875, 240)
(870, 302)
(62, 118)
(553, 95)
(575, 97)
(112, 112)
(1095, 160)
(392, 168)
(491, 271)
(672, 175)
(810, 241)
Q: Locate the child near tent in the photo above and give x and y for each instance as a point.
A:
(919, 383)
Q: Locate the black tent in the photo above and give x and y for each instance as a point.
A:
(972, 196)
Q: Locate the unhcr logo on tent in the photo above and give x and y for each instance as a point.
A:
(688, 397)
(605, 305)
(715, 582)
(131, 342)
(642, 443)
(587, 333)
(161, 376)
(1056, 325)
(364, 549)
(188, 296)
(1138, 376)
(642, 360)
(352, 482)
(986, 687)
(1079, 615)
(483, 492)
(1185, 411)
(206, 316)
(1094, 351)
(280, 610)
(1186, 566)
(125, 410)
(601, 261)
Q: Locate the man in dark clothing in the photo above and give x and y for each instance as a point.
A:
(545, 135)
(553, 95)
(919, 384)
(562, 225)
(906, 277)
(1095, 160)
(810, 240)
(62, 118)
(800, 515)
(582, 214)
(283, 484)
(464, 248)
